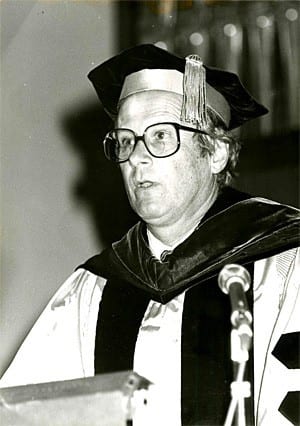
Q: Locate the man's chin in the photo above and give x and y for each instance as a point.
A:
(150, 215)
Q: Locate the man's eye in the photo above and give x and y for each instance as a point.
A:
(162, 135)
(125, 142)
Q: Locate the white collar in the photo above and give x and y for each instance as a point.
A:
(157, 247)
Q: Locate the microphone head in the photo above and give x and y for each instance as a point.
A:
(233, 273)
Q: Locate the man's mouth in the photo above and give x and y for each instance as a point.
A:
(145, 184)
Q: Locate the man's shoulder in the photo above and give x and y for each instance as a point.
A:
(230, 196)
(231, 200)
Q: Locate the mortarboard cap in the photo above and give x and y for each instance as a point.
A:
(147, 67)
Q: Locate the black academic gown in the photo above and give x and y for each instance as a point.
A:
(236, 229)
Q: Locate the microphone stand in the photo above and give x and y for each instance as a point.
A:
(235, 280)
(240, 389)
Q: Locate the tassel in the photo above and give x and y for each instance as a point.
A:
(194, 93)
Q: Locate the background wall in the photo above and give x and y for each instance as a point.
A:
(47, 49)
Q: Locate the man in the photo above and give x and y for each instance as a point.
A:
(151, 302)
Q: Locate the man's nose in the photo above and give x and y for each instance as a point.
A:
(140, 153)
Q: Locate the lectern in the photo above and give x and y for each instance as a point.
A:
(103, 400)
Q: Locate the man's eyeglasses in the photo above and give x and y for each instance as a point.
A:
(161, 140)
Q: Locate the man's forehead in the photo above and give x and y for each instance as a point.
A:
(149, 107)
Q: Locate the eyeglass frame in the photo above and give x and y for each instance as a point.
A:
(137, 138)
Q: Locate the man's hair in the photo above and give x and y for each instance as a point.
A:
(216, 131)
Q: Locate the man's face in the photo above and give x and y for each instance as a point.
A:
(163, 191)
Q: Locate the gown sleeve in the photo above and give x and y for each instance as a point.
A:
(60, 345)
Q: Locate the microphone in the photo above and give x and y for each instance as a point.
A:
(235, 280)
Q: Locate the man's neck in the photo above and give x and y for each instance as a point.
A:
(175, 233)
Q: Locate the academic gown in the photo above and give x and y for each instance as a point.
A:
(255, 232)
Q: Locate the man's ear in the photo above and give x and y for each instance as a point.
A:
(219, 158)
